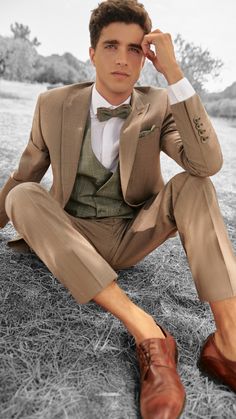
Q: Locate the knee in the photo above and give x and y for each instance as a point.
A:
(19, 195)
(189, 188)
(197, 182)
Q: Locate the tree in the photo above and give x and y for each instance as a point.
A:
(18, 54)
(4, 54)
(197, 64)
(21, 31)
(17, 59)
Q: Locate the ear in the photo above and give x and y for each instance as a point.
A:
(92, 55)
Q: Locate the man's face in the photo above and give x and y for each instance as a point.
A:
(118, 58)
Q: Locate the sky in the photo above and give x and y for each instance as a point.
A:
(62, 26)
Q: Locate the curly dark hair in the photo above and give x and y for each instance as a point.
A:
(127, 11)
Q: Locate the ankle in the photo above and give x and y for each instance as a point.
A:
(225, 336)
(141, 326)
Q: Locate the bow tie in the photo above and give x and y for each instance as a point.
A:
(122, 111)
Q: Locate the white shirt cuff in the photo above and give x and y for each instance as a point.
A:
(180, 91)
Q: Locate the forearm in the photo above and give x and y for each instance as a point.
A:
(190, 139)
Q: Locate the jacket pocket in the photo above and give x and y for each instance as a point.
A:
(147, 132)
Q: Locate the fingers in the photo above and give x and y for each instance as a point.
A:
(154, 38)
(150, 55)
(156, 31)
(148, 40)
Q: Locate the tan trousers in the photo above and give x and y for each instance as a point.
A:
(84, 254)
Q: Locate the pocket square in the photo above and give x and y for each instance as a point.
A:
(147, 132)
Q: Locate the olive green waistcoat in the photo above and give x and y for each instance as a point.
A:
(97, 191)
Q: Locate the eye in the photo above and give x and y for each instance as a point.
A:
(135, 50)
(110, 46)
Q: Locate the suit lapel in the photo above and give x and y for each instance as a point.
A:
(75, 113)
(129, 138)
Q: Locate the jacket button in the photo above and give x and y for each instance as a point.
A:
(201, 131)
(204, 139)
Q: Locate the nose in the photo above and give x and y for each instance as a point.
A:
(121, 58)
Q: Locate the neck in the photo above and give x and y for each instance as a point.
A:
(114, 99)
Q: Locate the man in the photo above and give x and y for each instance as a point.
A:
(108, 206)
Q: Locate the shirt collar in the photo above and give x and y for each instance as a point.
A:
(99, 101)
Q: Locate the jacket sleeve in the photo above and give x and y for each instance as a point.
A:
(188, 137)
(32, 166)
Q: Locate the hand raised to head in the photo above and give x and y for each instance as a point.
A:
(163, 58)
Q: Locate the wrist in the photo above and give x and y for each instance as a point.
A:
(174, 75)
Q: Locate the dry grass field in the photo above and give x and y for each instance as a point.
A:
(61, 360)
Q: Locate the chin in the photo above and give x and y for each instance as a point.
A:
(121, 88)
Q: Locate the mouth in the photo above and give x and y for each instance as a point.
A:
(120, 74)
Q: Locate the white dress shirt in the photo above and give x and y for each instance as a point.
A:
(105, 135)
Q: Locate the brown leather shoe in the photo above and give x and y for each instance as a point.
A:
(162, 394)
(214, 364)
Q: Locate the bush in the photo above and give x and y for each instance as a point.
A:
(222, 108)
(64, 69)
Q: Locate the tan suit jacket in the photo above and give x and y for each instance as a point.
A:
(183, 131)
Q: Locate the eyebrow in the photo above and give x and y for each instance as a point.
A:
(115, 42)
